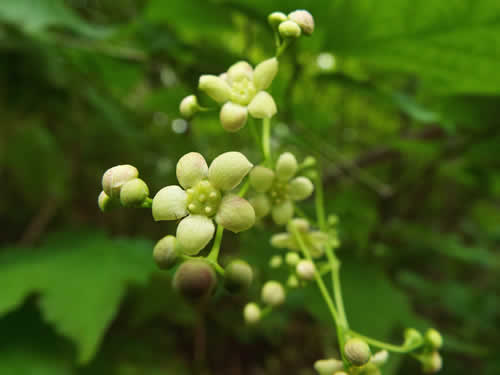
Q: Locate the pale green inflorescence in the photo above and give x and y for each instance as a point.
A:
(202, 198)
(276, 190)
(315, 240)
(241, 92)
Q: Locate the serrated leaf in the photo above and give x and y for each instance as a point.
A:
(89, 270)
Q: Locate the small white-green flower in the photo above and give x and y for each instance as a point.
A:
(199, 200)
(241, 91)
(315, 240)
(277, 190)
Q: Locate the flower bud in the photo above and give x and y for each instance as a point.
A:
(301, 188)
(432, 363)
(286, 166)
(292, 259)
(215, 87)
(292, 281)
(191, 169)
(189, 106)
(169, 203)
(133, 193)
(261, 205)
(228, 169)
(262, 106)
(233, 116)
(289, 29)
(195, 279)
(252, 313)
(105, 203)
(166, 252)
(328, 366)
(412, 337)
(264, 73)
(280, 240)
(275, 18)
(276, 261)
(380, 358)
(357, 351)
(304, 19)
(309, 161)
(283, 212)
(235, 213)
(238, 276)
(434, 339)
(194, 233)
(114, 178)
(273, 293)
(261, 178)
(340, 373)
(371, 369)
(306, 270)
(299, 224)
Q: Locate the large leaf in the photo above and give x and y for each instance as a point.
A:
(81, 279)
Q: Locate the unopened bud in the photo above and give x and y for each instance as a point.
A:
(133, 193)
(275, 18)
(276, 261)
(357, 351)
(328, 366)
(380, 358)
(273, 293)
(309, 161)
(195, 279)
(233, 116)
(304, 19)
(412, 337)
(238, 276)
(114, 178)
(166, 252)
(434, 339)
(432, 363)
(289, 29)
(252, 313)
(104, 202)
(306, 270)
(189, 106)
(292, 259)
(292, 281)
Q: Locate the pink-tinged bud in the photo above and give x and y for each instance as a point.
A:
(195, 279)
(304, 19)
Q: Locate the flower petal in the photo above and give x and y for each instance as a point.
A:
(261, 205)
(262, 105)
(233, 116)
(215, 87)
(300, 188)
(235, 213)
(194, 233)
(169, 203)
(283, 212)
(286, 166)
(280, 240)
(264, 73)
(228, 169)
(191, 169)
(240, 70)
(261, 178)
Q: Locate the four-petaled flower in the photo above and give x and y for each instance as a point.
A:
(277, 190)
(241, 91)
(203, 196)
(314, 240)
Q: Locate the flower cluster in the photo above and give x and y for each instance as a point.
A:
(315, 240)
(277, 190)
(240, 91)
(204, 197)
(292, 25)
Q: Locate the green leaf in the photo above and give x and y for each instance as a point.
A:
(81, 279)
(37, 16)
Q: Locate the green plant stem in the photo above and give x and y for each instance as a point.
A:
(244, 188)
(266, 141)
(385, 345)
(282, 47)
(214, 252)
(148, 203)
(319, 201)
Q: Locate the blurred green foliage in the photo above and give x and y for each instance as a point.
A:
(398, 100)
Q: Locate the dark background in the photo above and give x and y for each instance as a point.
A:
(397, 99)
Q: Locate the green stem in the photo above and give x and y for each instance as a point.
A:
(385, 345)
(215, 265)
(244, 188)
(214, 253)
(148, 203)
(266, 141)
(282, 48)
(320, 207)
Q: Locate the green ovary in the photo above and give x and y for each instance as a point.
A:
(242, 91)
(203, 199)
(279, 192)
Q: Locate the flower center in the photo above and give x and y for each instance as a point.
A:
(279, 192)
(242, 91)
(203, 199)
